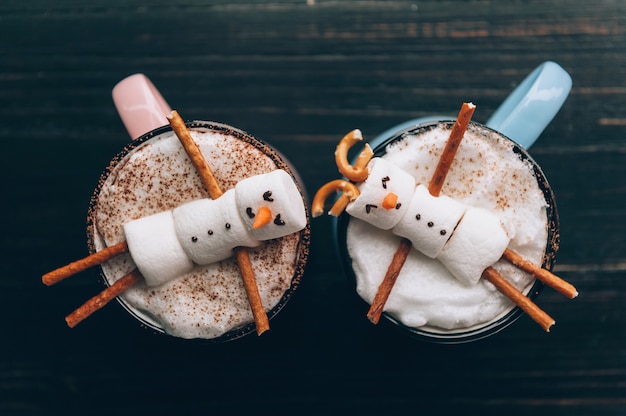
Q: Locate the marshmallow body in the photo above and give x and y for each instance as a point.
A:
(477, 243)
(155, 248)
(429, 221)
(384, 178)
(166, 245)
(277, 192)
(209, 229)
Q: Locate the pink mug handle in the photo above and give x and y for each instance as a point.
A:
(140, 105)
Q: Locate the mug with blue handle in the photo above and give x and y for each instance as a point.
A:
(523, 115)
(521, 118)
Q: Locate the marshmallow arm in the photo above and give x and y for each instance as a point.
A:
(155, 249)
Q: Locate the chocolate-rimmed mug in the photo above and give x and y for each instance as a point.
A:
(519, 120)
(156, 162)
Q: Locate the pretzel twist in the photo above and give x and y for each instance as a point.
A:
(357, 172)
(349, 192)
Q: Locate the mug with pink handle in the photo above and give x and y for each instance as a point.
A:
(140, 105)
(193, 252)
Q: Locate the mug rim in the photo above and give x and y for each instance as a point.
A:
(477, 332)
(303, 246)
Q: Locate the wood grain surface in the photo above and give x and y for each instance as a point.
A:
(299, 75)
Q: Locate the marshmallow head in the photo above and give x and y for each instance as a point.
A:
(155, 249)
(429, 221)
(270, 205)
(209, 229)
(384, 195)
(477, 243)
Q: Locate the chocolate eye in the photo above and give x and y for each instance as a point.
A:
(385, 180)
(267, 196)
(227, 225)
(194, 239)
(398, 205)
(210, 232)
(249, 212)
(368, 207)
(278, 220)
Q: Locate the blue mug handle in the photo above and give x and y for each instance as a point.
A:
(524, 114)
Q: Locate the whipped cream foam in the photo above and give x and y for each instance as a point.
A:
(487, 173)
(210, 300)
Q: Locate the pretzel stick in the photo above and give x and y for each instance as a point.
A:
(258, 312)
(544, 275)
(384, 289)
(102, 298)
(434, 187)
(243, 260)
(78, 266)
(452, 145)
(543, 319)
(194, 153)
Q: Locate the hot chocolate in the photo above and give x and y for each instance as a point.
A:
(487, 174)
(494, 204)
(152, 199)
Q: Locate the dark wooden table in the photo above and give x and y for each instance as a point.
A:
(300, 75)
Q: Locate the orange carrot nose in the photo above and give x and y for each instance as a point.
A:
(263, 216)
(390, 201)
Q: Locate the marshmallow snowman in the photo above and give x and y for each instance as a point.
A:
(168, 244)
(465, 239)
